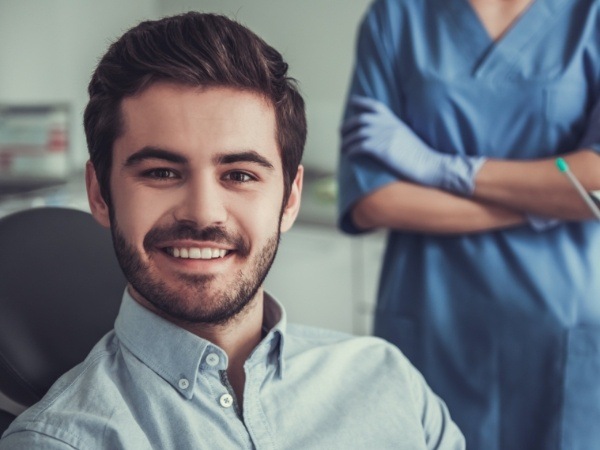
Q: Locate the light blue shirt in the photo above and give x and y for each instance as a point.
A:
(150, 384)
(504, 325)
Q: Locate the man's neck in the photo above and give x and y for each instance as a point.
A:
(497, 16)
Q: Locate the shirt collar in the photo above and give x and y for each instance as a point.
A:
(271, 346)
(176, 355)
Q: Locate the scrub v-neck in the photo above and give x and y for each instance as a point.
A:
(499, 56)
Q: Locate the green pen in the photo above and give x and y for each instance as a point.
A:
(564, 168)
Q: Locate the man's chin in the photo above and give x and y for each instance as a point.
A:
(199, 307)
(195, 298)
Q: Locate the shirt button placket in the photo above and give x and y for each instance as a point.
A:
(226, 400)
(212, 359)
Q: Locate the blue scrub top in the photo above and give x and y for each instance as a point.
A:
(505, 325)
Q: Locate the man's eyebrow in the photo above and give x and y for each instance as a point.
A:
(247, 156)
(150, 152)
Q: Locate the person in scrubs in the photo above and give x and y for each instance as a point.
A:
(456, 114)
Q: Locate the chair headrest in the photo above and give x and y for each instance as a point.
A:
(60, 291)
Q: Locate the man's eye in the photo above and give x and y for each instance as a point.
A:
(239, 177)
(160, 173)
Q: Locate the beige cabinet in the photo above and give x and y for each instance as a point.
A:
(327, 279)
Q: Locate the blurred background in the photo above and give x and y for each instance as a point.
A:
(48, 50)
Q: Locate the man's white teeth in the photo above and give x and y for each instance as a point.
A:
(198, 253)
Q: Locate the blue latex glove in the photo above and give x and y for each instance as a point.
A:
(375, 131)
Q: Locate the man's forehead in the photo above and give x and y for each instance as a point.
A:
(173, 116)
(165, 91)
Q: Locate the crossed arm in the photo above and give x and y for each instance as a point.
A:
(504, 192)
(445, 193)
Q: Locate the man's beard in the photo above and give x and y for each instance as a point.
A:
(193, 299)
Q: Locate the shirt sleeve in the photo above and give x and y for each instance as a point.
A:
(440, 431)
(591, 137)
(375, 77)
(32, 439)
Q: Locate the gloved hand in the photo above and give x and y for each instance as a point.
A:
(539, 223)
(375, 131)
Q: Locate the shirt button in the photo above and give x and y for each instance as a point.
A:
(226, 400)
(184, 384)
(212, 359)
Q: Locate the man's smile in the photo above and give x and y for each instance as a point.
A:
(196, 252)
(193, 251)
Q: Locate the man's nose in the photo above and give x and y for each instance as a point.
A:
(202, 202)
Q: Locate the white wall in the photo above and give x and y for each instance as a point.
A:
(49, 48)
(317, 39)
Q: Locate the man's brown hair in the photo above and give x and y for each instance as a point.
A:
(192, 49)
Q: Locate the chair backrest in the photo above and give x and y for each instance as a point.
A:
(6, 419)
(60, 290)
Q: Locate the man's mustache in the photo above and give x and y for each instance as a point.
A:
(182, 231)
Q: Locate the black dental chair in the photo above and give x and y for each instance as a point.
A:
(60, 290)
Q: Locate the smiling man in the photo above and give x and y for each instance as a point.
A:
(195, 135)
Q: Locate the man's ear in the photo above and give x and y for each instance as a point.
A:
(98, 206)
(290, 211)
